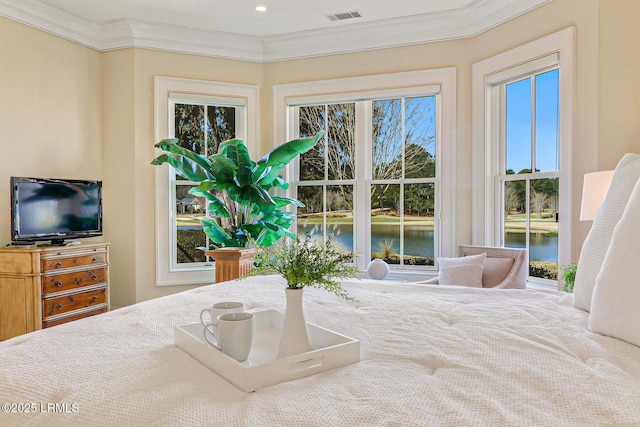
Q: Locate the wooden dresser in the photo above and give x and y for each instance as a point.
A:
(45, 286)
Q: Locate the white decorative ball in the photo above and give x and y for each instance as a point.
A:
(378, 269)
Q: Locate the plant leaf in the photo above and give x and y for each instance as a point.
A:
(280, 156)
(280, 182)
(284, 201)
(214, 231)
(236, 151)
(189, 158)
(183, 166)
(223, 169)
(256, 194)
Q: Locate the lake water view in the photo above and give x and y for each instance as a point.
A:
(419, 242)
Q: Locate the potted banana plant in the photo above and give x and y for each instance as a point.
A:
(240, 206)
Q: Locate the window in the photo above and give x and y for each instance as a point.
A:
(403, 180)
(200, 115)
(523, 146)
(375, 183)
(199, 127)
(529, 178)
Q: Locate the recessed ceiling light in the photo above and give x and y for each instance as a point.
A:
(261, 8)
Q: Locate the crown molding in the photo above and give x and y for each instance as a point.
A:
(461, 23)
(127, 33)
(52, 20)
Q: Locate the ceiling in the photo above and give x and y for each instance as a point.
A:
(288, 29)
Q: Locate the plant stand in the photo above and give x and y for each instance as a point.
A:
(231, 263)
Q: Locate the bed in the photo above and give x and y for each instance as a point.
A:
(430, 355)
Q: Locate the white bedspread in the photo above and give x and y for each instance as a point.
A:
(430, 355)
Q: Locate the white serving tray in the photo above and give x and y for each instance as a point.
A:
(263, 368)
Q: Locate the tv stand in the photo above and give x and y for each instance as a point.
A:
(62, 242)
(45, 286)
(23, 244)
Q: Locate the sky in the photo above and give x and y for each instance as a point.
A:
(519, 122)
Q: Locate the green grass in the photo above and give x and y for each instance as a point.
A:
(349, 220)
(345, 220)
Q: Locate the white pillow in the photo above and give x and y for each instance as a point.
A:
(615, 309)
(597, 242)
(462, 271)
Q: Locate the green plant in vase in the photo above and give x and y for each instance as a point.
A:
(304, 262)
(237, 189)
(307, 262)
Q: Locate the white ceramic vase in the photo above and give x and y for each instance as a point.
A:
(295, 336)
(378, 269)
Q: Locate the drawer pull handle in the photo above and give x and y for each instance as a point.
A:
(95, 298)
(95, 277)
(58, 264)
(59, 306)
(58, 283)
(94, 259)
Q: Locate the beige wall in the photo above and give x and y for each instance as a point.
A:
(111, 119)
(120, 191)
(618, 81)
(50, 114)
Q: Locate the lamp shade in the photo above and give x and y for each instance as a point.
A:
(594, 188)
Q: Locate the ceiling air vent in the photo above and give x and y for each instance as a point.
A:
(344, 15)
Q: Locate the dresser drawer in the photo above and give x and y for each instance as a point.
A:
(58, 321)
(75, 280)
(71, 302)
(73, 261)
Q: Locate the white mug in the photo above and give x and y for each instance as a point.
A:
(220, 308)
(233, 334)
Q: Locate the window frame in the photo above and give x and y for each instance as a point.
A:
(167, 92)
(398, 85)
(555, 50)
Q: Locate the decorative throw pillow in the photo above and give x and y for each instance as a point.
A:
(615, 309)
(597, 242)
(462, 271)
(495, 270)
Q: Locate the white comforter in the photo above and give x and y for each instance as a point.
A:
(430, 355)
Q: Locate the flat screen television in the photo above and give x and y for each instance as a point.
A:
(45, 209)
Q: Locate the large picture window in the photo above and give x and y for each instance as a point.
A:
(375, 182)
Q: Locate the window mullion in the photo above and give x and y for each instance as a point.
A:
(206, 150)
(533, 124)
(401, 212)
(362, 190)
(404, 157)
(325, 141)
(528, 214)
(501, 125)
